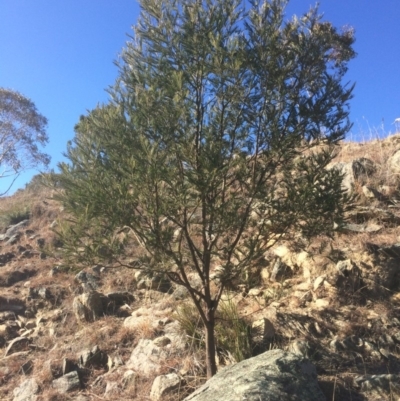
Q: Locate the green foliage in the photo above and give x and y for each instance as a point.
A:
(22, 129)
(232, 332)
(215, 143)
(190, 322)
(14, 216)
(36, 184)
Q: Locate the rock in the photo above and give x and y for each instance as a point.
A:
(300, 347)
(26, 391)
(88, 281)
(113, 302)
(369, 347)
(368, 192)
(142, 318)
(262, 330)
(113, 361)
(147, 358)
(27, 254)
(318, 281)
(272, 376)
(396, 337)
(345, 266)
(348, 178)
(386, 340)
(388, 274)
(12, 305)
(349, 275)
(280, 271)
(68, 366)
(93, 357)
(13, 230)
(352, 343)
(14, 239)
(173, 331)
(15, 276)
(82, 398)
(363, 169)
(41, 242)
(27, 367)
(154, 281)
(362, 214)
(6, 316)
(304, 286)
(379, 385)
(6, 257)
(66, 383)
(372, 193)
(180, 293)
(112, 388)
(31, 324)
(363, 228)
(162, 385)
(129, 380)
(16, 345)
(394, 162)
(88, 306)
(357, 170)
(121, 297)
(6, 334)
(162, 341)
(322, 303)
(392, 251)
(41, 292)
(255, 292)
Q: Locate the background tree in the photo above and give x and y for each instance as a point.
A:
(22, 129)
(214, 146)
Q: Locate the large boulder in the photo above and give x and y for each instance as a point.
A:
(359, 170)
(272, 376)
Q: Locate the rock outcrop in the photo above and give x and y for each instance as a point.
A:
(272, 376)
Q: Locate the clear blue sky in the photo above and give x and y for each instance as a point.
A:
(60, 54)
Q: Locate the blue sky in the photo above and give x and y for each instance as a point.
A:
(61, 55)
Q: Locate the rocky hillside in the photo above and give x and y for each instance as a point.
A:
(106, 333)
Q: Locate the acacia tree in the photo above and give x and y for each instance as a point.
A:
(22, 129)
(214, 146)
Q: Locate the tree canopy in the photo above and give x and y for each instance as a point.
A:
(214, 146)
(22, 129)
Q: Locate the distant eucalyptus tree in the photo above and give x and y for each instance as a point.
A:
(22, 129)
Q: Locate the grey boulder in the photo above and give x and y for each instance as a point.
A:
(272, 376)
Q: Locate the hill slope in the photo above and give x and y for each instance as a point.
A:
(74, 333)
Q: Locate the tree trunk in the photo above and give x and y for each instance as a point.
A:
(210, 346)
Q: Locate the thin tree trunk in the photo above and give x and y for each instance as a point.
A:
(210, 346)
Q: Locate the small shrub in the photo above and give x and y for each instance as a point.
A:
(232, 332)
(14, 217)
(188, 317)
